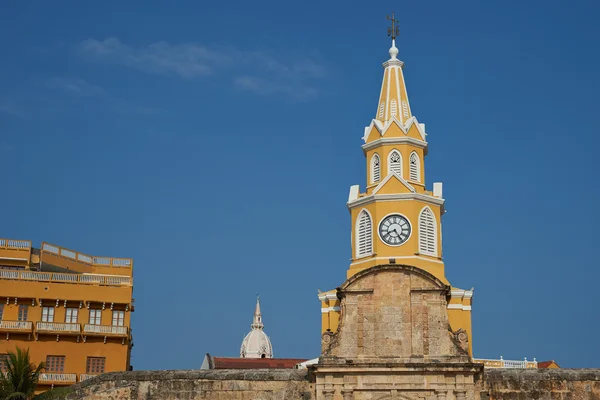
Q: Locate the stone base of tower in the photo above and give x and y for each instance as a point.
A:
(384, 381)
(394, 341)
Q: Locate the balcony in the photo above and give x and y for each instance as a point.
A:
(502, 363)
(89, 279)
(16, 326)
(105, 330)
(58, 328)
(57, 379)
(85, 377)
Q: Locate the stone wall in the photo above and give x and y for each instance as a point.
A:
(542, 384)
(191, 385)
(575, 384)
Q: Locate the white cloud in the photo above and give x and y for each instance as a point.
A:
(256, 71)
(74, 86)
(186, 60)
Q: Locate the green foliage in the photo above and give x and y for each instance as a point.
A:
(20, 378)
(54, 394)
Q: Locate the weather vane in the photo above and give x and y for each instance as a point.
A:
(393, 30)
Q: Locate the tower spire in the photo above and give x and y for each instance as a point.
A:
(257, 322)
(393, 32)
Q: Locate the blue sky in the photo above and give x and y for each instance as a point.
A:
(215, 143)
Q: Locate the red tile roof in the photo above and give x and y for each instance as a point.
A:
(546, 364)
(254, 363)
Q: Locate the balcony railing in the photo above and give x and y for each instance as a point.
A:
(85, 259)
(13, 244)
(502, 363)
(58, 379)
(16, 326)
(105, 330)
(85, 377)
(58, 327)
(108, 280)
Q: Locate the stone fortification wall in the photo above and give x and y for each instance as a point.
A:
(543, 384)
(272, 384)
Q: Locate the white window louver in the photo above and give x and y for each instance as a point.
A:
(415, 174)
(381, 109)
(393, 107)
(375, 169)
(395, 162)
(427, 233)
(405, 108)
(364, 235)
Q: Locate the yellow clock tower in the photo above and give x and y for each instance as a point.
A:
(396, 220)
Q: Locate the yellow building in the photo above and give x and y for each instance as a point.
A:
(396, 220)
(71, 310)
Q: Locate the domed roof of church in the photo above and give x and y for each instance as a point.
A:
(256, 344)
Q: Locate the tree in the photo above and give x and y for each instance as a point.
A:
(20, 376)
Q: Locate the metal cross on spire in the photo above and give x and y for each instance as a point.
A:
(393, 30)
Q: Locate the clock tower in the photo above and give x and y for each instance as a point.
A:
(396, 219)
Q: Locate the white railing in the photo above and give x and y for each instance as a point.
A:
(16, 325)
(65, 278)
(58, 327)
(84, 258)
(105, 329)
(502, 363)
(53, 377)
(15, 244)
(85, 377)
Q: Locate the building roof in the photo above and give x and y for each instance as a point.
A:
(211, 362)
(547, 364)
(256, 344)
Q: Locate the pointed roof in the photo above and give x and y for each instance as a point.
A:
(256, 344)
(393, 98)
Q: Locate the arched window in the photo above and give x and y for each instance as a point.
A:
(393, 107)
(415, 167)
(381, 109)
(405, 108)
(427, 233)
(395, 162)
(375, 168)
(364, 233)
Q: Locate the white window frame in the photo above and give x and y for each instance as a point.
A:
(426, 236)
(381, 110)
(368, 235)
(118, 316)
(47, 314)
(375, 169)
(394, 108)
(417, 171)
(71, 315)
(400, 172)
(95, 316)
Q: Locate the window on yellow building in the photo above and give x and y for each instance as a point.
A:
(395, 162)
(375, 169)
(95, 365)
(118, 318)
(1, 311)
(47, 314)
(95, 316)
(23, 311)
(71, 315)
(55, 364)
(364, 234)
(415, 172)
(427, 233)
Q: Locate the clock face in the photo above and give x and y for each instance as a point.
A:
(394, 230)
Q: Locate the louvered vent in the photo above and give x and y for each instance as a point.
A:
(427, 234)
(414, 168)
(405, 108)
(375, 169)
(381, 109)
(395, 162)
(364, 235)
(393, 107)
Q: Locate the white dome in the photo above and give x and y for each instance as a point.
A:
(256, 344)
